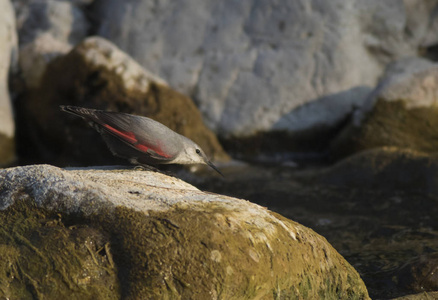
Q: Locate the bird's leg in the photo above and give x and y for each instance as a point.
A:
(143, 167)
(146, 168)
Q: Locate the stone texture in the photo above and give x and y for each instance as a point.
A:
(400, 112)
(252, 66)
(44, 256)
(8, 56)
(97, 74)
(172, 240)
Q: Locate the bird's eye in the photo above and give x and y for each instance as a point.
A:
(198, 151)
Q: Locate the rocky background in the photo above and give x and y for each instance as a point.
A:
(331, 104)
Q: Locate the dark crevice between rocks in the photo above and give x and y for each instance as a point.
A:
(306, 148)
(430, 52)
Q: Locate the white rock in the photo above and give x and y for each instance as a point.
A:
(250, 65)
(411, 80)
(47, 29)
(64, 20)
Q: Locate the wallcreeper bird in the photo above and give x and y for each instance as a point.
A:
(141, 140)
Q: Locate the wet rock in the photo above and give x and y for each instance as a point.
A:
(384, 168)
(169, 239)
(97, 74)
(8, 55)
(257, 66)
(420, 296)
(421, 274)
(400, 112)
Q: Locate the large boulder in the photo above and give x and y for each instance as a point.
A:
(97, 74)
(8, 56)
(166, 238)
(256, 67)
(386, 168)
(400, 112)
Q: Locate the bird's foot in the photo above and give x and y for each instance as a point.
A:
(150, 168)
(145, 168)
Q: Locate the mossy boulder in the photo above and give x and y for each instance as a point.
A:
(385, 168)
(96, 74)
(402, 111)
(165, 239)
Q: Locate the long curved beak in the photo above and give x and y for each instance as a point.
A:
(213, 167)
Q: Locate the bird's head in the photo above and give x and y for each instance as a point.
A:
(193, 154)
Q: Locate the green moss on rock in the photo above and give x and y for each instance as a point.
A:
(207, 253)
(41, 258)
(390, 123)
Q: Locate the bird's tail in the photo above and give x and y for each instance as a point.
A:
(77, 111)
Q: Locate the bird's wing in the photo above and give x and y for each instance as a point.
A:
(127, 129)
(131, 130)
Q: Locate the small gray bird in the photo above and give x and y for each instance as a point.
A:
(141, 140)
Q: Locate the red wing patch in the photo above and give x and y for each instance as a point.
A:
(156, 150)
(130, 137)
(142, 147)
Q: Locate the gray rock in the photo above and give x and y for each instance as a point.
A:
(8, 56)
(47, 29)
(64, 20)
(252, 66)
(35, 56)
(169, 238)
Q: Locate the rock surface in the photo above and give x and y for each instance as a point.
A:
(8, 56)
(252, 66)
(400, 112)
(169, 239)
(97, 74)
